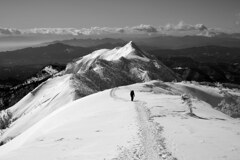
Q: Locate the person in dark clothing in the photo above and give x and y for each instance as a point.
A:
(132, 94)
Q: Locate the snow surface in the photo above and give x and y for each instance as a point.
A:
(107, 125)
(129, 51)
(37, 104)
(211, 135)
(94, 127)
(121, 66)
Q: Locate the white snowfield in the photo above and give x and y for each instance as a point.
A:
(37, 104)
(129, 51)
(94, 127)
(107, 125)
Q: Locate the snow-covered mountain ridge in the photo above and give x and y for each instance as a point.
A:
(129, 51)
(127, 62)
(97, 71)
(107, 125)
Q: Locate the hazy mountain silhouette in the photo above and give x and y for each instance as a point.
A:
(208, 63)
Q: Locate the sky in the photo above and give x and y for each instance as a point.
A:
(26, 14)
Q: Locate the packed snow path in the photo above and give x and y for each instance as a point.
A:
(152, 143)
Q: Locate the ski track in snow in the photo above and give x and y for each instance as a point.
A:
(152, 145)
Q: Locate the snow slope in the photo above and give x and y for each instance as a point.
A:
(129, 51)
(36, 105)
(107, 125)
(127, 62)
(95, 127)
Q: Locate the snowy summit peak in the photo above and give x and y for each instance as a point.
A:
(129, 51)
(131, 44)
(119, 55)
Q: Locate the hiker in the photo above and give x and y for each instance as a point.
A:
(132, 95)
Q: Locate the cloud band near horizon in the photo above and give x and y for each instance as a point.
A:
(140, 29)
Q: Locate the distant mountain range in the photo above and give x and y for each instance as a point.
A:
(208, 58)
(145, 41)
(208, 63)
(91, 42)
(173, 42)
(21, 64)
(160, 42)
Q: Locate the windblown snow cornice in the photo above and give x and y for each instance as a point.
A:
(180, 28)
